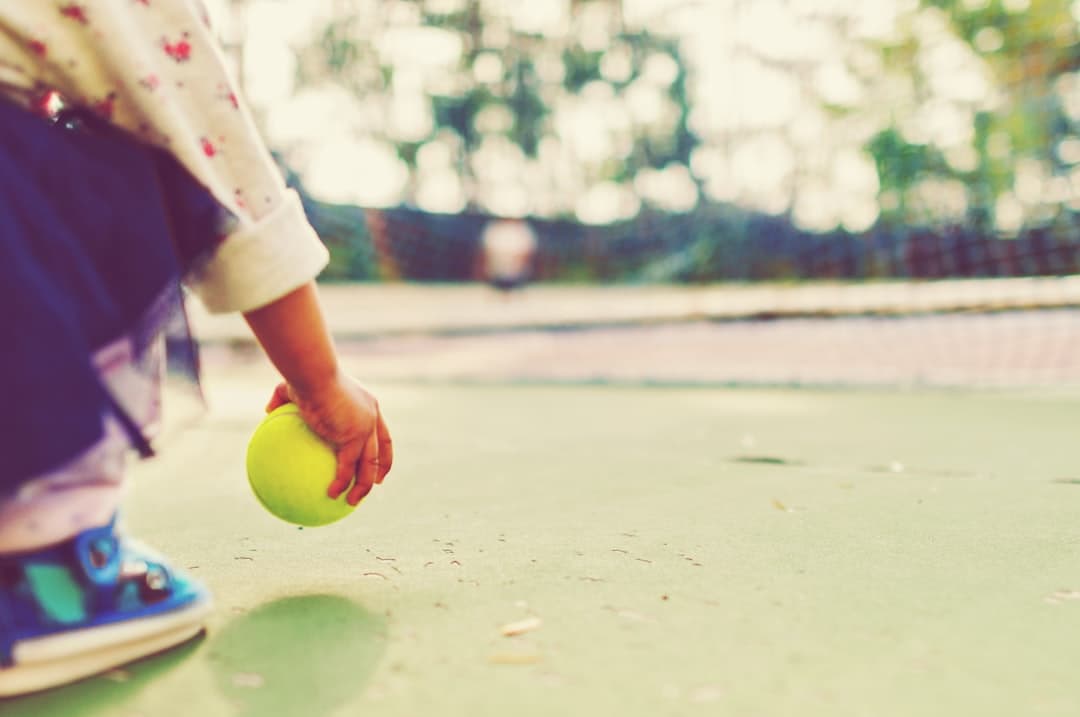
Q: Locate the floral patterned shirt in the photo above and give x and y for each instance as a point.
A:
(153, 68)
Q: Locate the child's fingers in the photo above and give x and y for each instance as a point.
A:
(347, 458)
(369, 470)
(386, 449)
(279, 398)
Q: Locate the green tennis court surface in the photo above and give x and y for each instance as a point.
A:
(685, 551)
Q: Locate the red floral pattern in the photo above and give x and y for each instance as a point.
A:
(171, 89)
(106, 106)
(179, 50)
(76, 12)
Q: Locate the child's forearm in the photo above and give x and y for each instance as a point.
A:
(293, 332)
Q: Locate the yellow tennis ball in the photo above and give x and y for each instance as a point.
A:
(290, 469)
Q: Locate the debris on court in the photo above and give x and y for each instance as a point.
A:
(1059, 596)
(766, 461)
(633, 616)
(510, 658)
(521, 627)
(706, 693)
(629, 615)
(248, 680)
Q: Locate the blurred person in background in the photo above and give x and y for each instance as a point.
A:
(507, 253)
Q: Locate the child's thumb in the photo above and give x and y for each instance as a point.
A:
(282, 395)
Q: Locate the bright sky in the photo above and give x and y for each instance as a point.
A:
(769, 144)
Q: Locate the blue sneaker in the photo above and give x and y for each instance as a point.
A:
(88, 605)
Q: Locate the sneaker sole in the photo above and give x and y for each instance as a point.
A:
(57, 660)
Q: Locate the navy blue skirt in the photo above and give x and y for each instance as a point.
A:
(96, 230)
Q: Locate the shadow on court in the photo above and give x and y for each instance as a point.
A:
(324, 647)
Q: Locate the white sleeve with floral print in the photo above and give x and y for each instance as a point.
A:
(153, 68)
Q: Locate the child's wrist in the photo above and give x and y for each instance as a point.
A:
(319, 388)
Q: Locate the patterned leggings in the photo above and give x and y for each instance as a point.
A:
(87, 491)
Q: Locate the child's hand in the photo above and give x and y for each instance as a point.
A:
(293, 331)
(347, 417)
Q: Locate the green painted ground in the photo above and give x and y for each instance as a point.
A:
(688, 552)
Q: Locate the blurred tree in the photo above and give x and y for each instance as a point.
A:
(561, 97)
(1015, 162)
(890, 138)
